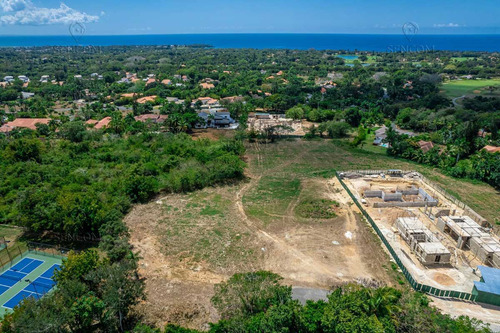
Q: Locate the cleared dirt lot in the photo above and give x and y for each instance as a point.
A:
(189, 242)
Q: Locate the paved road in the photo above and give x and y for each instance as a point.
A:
(454, 100)
(303, 294)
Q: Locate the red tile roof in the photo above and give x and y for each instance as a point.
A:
(425, 146)
(128, 95)
(91, 122)
(491, 149)
(207, 85)
(232, 99)
(103, 123)
(5, 129)
(143, 100)
(155, 118)
(24, 123)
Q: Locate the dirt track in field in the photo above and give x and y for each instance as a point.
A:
(189, 242)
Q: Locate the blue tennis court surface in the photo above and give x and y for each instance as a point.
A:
(36, 288)
(17, 272)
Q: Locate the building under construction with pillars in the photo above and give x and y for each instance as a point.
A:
(470, 235)
(422, 242)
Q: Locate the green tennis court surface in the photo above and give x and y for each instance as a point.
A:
(27, 276)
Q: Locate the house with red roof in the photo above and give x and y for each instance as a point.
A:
(146, 99)
(491, 149)
(425, 146)
(23, 123)
(99, 124)
(153, 118)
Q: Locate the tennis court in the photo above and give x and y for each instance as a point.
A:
(29, 276)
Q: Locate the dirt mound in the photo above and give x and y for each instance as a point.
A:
(444, 279)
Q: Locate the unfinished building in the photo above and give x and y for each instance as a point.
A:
(422, 242)
(263, 121)
(461, 229)
(495, 261)
(485, 249)
(411, 197)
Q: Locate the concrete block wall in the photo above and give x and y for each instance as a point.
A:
(426, 196)
(403, 204)
(392, 196)
(479, 251)
(440, 224)
(496, 260)
(413, 191)
(373, 194)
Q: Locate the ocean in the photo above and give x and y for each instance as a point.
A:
(351, 42)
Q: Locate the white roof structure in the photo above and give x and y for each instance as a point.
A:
(464, 226)
(412, 224)
(433, 248)
(489, 244)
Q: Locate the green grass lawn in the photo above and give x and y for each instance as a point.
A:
(459, 88)
(461, 59)
(370, 59)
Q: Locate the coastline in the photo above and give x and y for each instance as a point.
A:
(349, 42)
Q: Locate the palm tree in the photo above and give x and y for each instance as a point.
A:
(382, 302)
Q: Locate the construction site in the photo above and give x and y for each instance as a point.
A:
(441, 242)
(261, 122)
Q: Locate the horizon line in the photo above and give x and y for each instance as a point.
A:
(257, 33)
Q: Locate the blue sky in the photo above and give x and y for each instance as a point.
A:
(126, 17)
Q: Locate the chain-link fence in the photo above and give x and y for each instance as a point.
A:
(10, 252)
(47, 249)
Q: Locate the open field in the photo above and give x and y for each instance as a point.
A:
(459, 88)
(189, 242)
(351, 58)
(461, 59)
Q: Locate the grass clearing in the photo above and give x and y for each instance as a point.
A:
(459, 88)
(461, 59)
(199, 229)
(316, 209)
(271, 198)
